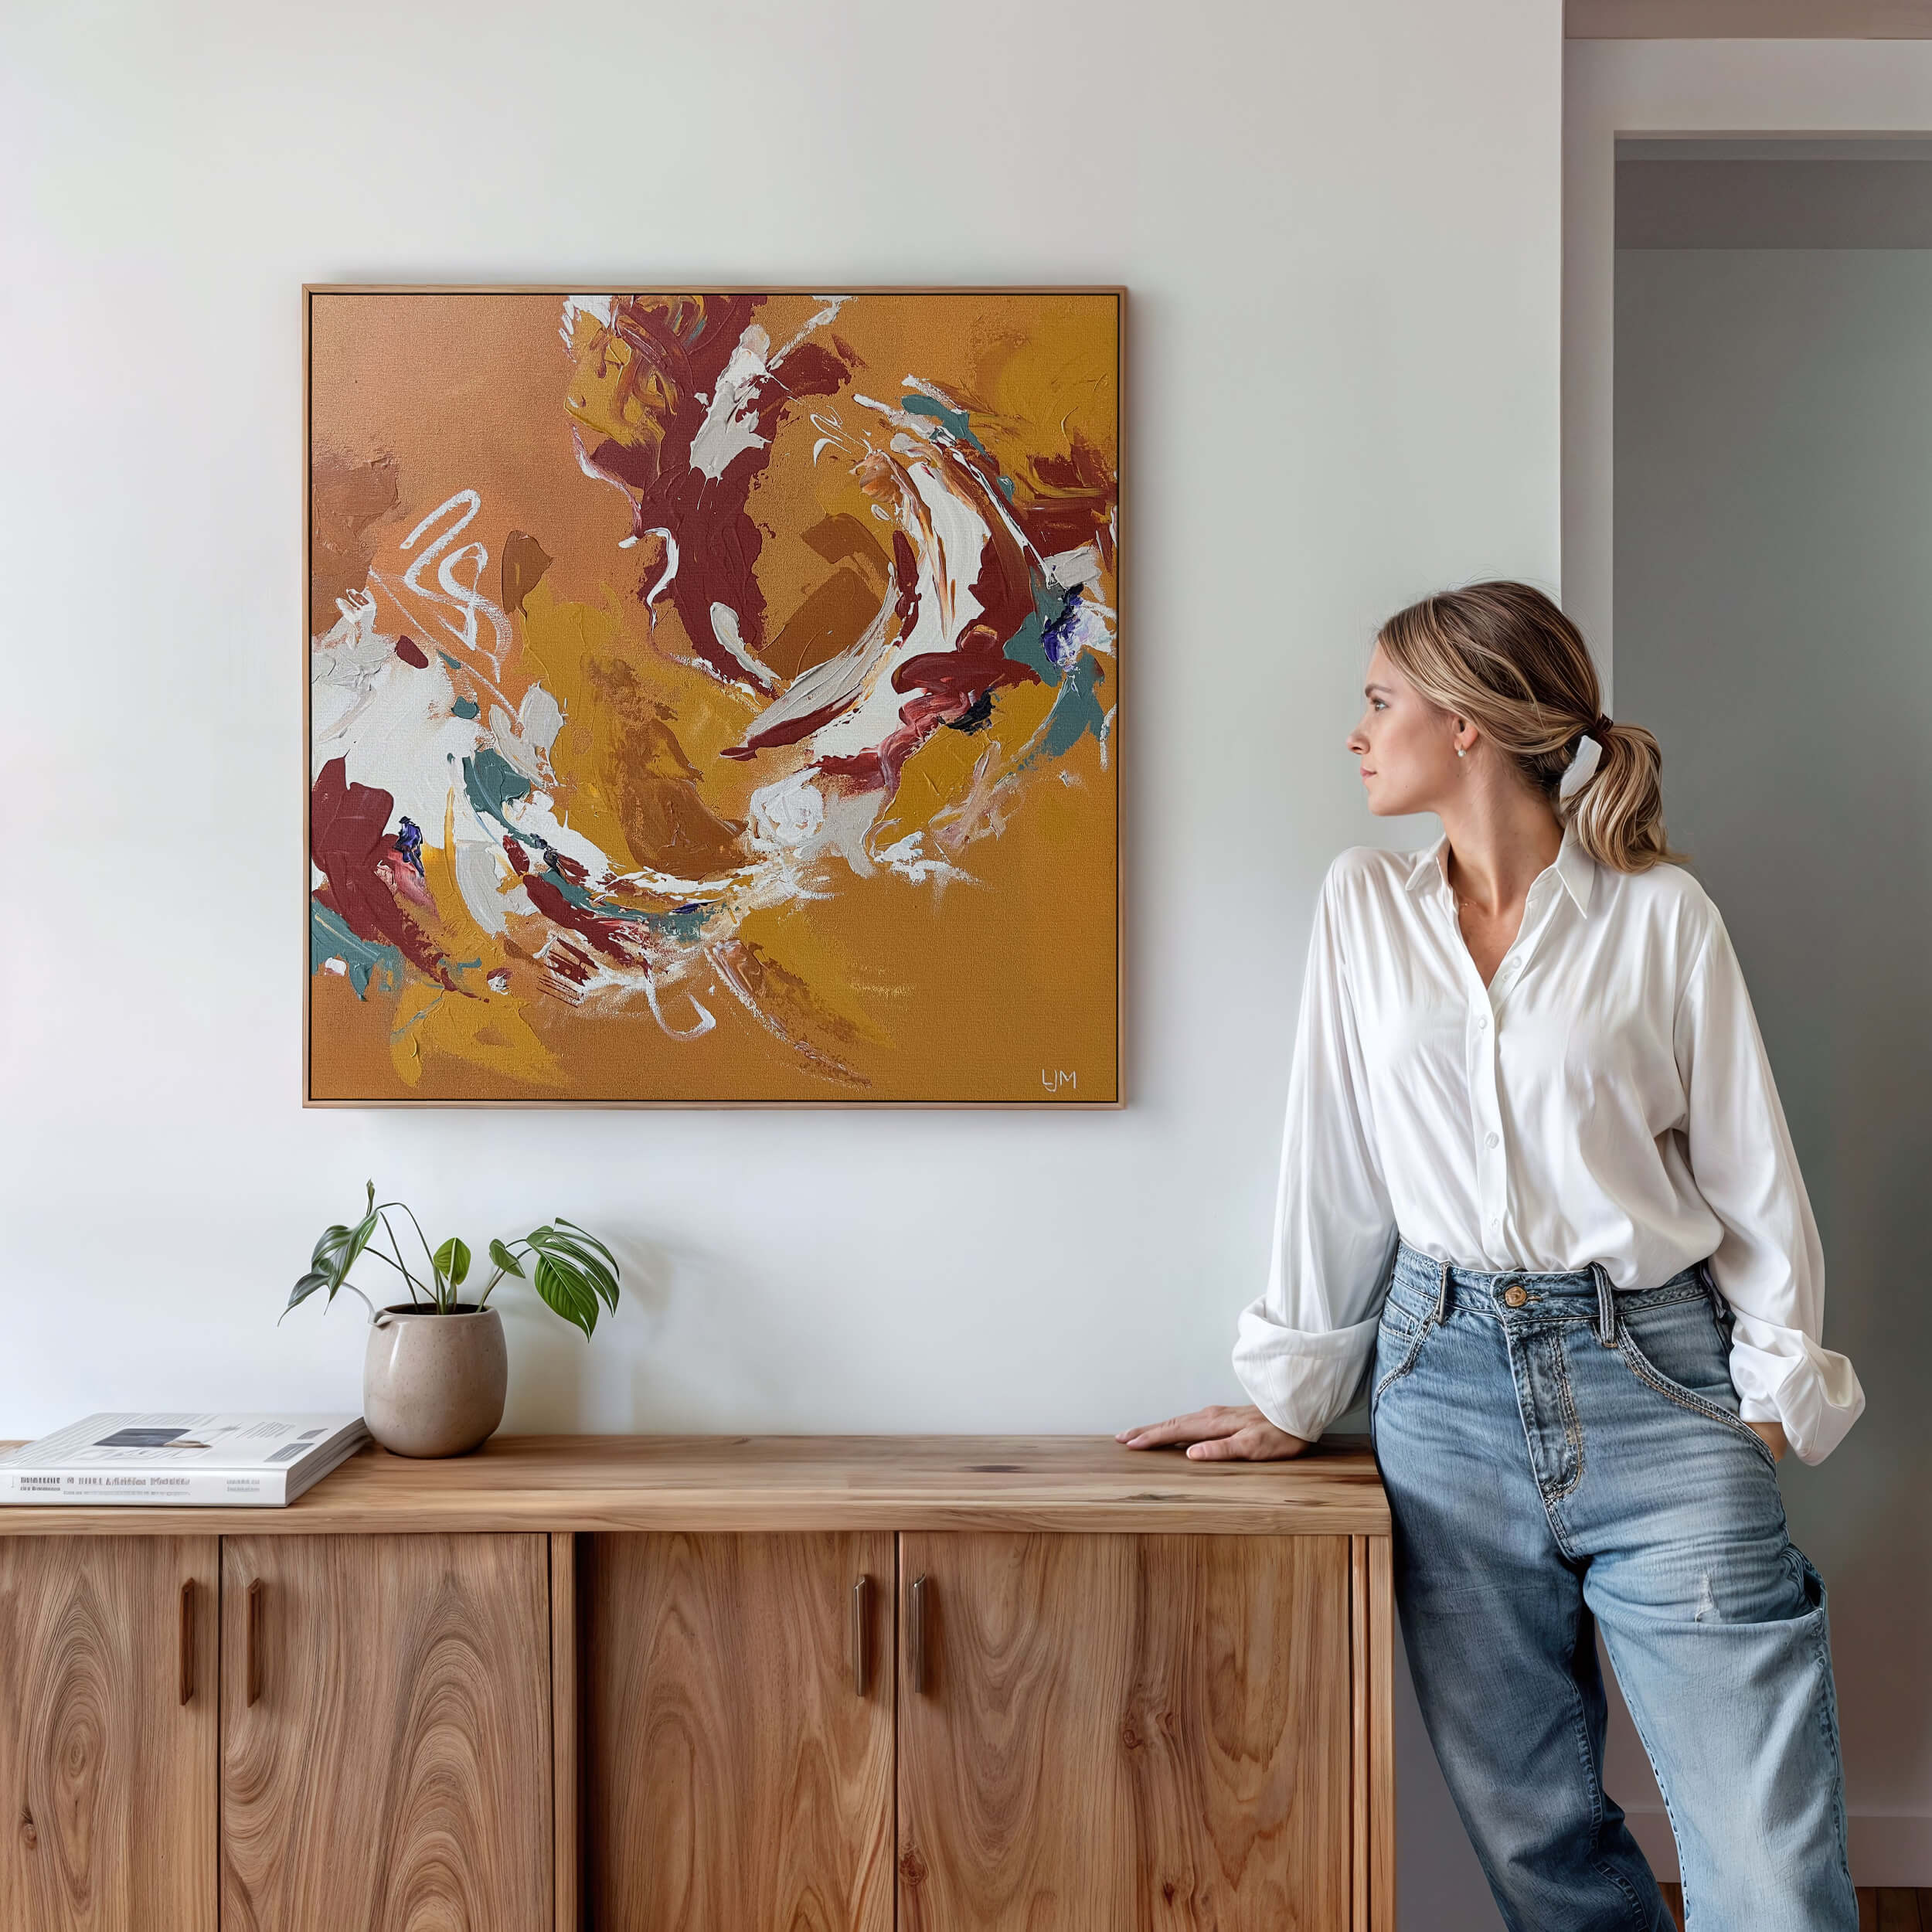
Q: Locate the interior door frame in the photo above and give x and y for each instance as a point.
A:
(1715, 88)
(1745, 89)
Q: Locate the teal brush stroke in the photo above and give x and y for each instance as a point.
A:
(1028, 645)
(464, 707)
(684, 926)
(956, 420)
(329, 938)
(492, 782)
(1076, 709)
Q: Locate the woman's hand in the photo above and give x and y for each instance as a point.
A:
(1218, 1434)
(1773, 1433)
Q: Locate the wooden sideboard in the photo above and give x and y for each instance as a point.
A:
(711, 1683)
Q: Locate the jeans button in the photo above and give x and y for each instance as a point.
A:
(1516, 1294)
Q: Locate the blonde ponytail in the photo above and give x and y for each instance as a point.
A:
(1504, 656)
(1618, 810)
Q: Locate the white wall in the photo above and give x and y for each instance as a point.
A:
(1339, 225)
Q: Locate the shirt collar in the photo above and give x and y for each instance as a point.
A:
(1574, 867)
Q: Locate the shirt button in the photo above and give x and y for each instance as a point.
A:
(1481, 1023)
(1489, 1140)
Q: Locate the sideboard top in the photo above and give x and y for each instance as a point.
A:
(591, 1483)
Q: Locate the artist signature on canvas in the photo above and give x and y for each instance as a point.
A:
(1053, 1080)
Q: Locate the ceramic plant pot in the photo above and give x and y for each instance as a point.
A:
(434, 1384)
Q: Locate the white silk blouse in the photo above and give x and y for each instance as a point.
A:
(1607, 1097)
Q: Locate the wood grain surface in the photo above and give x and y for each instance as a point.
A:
(735, 1780)
(106, 1773)
(394, 1774)
(566, 1822)
(589, 1483)
(1126, 1732)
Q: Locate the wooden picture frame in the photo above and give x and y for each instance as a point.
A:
(1061, 950)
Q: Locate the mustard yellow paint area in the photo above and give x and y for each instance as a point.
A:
(939, 773)
(611, 392)
(488, 1033)
(1048, 380)
(793, 942)
(1008, 973)
(563, 642)
(619, 695)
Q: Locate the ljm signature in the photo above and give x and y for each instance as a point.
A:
(1053, 1079)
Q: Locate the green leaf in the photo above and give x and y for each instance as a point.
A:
(337, 1250)
(332, 1239)
(304, 1288)
(360, 1236)
(595, 1256)
(585, 1234)
(565, 1293)
(559, 1246)
(505, 1259)
(452, 1261)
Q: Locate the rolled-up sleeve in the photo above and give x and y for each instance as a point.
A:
(1305, 1347)
(1770, 1263)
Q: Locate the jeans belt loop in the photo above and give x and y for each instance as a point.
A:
(1720, 1306)
(1606, 1306)
(1442, 1294)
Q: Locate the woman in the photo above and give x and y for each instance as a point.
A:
(1538, 1194)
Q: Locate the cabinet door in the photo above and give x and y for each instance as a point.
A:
(107, 1735)
(738, 1769)
(386, 1733)
(1124, 1730)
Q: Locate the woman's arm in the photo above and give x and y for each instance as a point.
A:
(1770, 1264)
(1305, 1345)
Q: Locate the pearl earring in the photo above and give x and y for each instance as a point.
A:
(1459, 750)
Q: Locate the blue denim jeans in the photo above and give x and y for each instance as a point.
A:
(1558, 1456)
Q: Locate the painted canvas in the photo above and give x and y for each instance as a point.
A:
(713, 697)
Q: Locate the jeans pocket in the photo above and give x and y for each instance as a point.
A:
(1685, 1352)
(1399, 1340)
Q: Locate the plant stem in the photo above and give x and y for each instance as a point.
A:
(441, 1308)
(398, 1247)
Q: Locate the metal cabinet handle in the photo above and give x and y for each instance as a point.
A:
(861, 1599)
(252, 1641)
(917, 1634)
(185, 1662)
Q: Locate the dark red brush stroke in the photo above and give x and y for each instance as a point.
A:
(348, 838)
(905, 615)
(1057, 523)
(602, 933)
(789, 731)
(947, 684)
(718, 542)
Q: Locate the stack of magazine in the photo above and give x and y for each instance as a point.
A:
(246, 1461)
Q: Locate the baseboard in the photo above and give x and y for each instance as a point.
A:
(1888, 1848)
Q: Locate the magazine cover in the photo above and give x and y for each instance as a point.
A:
(243, 1460)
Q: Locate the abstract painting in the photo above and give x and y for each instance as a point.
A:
(713, 697)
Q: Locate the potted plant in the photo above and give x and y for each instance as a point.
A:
(437, 1370)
